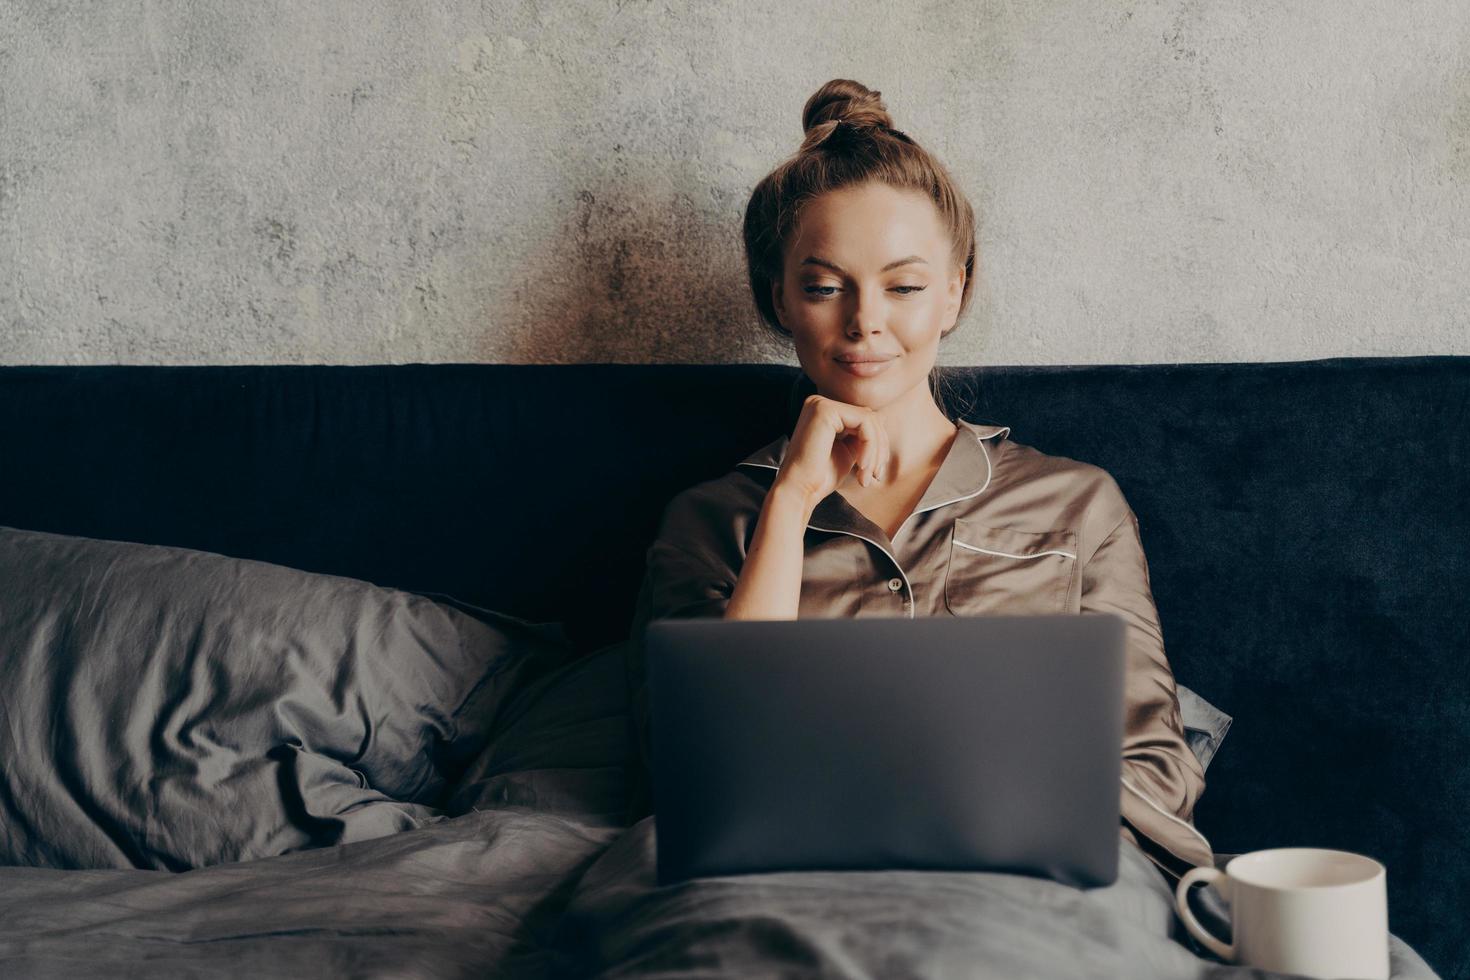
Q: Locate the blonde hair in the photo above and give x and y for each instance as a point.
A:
(849, 140)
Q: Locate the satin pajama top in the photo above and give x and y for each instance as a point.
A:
(1002, 528)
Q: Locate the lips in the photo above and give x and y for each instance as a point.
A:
(864, 365)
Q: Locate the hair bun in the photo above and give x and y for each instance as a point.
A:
(842, 100)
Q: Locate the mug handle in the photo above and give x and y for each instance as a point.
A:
(1226, 951)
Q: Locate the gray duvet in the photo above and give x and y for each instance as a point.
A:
(515, 892)
(474, 896)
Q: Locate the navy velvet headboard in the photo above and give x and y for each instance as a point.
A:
(1305, 524)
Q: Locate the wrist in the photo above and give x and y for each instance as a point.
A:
(789, 501)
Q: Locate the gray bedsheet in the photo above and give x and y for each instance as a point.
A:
(516, 892)
(878, 924)
(472, 896)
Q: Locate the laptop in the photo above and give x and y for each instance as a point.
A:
(957, 743)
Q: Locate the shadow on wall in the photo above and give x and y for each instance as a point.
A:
(634, 273)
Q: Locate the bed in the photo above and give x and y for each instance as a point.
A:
(318, 670)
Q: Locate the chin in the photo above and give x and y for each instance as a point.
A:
(866, 392)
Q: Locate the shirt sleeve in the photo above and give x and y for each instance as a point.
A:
(1162, 779)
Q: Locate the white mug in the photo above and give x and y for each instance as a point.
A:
(1304, 910)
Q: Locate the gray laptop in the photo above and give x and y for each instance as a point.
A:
(985, 743)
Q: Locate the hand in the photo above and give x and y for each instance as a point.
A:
(831, 439)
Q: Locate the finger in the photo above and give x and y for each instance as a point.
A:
(835, 421)
(854, 426)
(843, 420)
(852, 442)
(878, 450)
(848, 426)
(882, 452)
(877, 439)
(849, 417)
(871, 438)
(880, 439)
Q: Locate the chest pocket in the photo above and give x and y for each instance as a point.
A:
(1002, 571)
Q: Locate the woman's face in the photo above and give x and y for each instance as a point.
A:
(868, 287)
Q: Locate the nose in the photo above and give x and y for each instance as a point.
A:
(865, 316)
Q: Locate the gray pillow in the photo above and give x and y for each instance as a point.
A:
(170, 708)
(560, 745)
(1204, 725)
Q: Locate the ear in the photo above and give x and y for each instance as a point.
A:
(954, 293)
(778, 301)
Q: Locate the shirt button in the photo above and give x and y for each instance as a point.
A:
(894, 584)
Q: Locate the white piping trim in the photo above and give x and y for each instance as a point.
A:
(833, 530)
(1172, 873)
(1004, 554)
(989, 472)
(1187, 826)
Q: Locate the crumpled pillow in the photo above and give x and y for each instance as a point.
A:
(1204, 725)
(170, 708)
(560, 746)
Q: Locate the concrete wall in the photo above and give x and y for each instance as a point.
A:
(210, 182)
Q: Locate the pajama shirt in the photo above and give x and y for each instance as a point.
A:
(1002, 529)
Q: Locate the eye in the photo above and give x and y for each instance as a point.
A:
(826, 291)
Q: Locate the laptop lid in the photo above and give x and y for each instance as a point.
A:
(987, 743)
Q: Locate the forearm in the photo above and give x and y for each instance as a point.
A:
(769, 585)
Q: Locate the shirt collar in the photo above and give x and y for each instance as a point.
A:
(966, 472)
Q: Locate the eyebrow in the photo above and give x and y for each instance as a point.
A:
(817, 260)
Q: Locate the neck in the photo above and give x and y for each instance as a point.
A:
(919, 435)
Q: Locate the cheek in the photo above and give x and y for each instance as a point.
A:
(805, 340)
(811, 322)
(920, 330)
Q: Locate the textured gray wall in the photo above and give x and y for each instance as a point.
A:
(327, 182)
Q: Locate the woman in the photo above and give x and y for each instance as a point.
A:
(861, 250)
